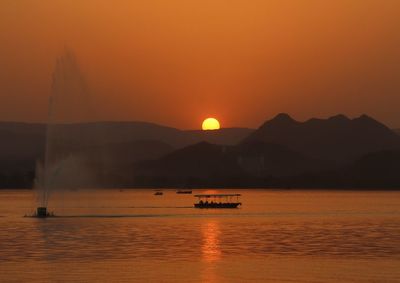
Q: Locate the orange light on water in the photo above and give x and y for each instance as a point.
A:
(211, 243)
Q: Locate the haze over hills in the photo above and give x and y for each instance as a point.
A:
(106, 132)
(334, 152)
(22, 140)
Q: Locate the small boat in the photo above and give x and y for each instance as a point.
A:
(217, 201)
(158, 193)
(183, 191)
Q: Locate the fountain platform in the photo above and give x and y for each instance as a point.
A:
(41, 212)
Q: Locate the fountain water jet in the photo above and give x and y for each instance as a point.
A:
(65, 140)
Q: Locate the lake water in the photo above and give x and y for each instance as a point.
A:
(134, 236)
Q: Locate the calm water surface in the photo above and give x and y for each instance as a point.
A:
(133, 236)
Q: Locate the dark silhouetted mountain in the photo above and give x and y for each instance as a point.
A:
(121, 132)
(337, 138)
(224, 136)
(378, 169)
(202, 160)
(281, 153)
(110, 145)
(208, 164)
(21, 140)
(397, 131)
(122, 154)
(269, 159)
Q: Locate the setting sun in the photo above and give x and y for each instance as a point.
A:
(210, 124)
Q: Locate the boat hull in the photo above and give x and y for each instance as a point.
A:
(217, 205)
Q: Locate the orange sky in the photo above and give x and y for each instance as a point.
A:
(175, 62)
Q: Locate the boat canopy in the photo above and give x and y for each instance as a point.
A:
(217, 195)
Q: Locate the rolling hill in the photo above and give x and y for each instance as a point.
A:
(334, 152)
(107, 146)
(216, 165)
(337, 138)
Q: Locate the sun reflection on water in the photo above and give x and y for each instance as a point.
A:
(211, 241)
(211, 250)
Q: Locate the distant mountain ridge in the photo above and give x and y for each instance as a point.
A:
(218, 164)
(23, 140)
(107, 145)
(132, 131)
(333, 152)
(337, 138)
(263, 165)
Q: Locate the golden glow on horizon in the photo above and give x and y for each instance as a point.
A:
(244, 61)
(210, 124)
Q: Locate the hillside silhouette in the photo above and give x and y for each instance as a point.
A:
(206, 164)
(322, 153)
(26, 142)
(337, 138)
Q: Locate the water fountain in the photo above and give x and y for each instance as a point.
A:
(65, 137)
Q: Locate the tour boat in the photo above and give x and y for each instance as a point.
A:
(217, 201)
